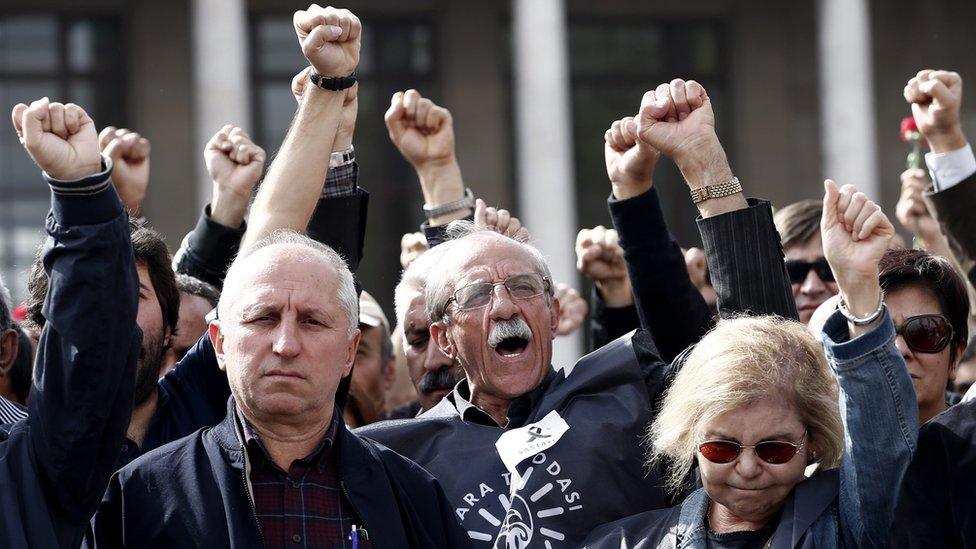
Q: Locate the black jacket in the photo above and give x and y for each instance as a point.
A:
(54, 465)
(193, 491)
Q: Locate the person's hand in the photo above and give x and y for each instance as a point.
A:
(235, 165)
(935, 97)
(630, 161)
(61, 139)
(350, 108)
(572, 310)
(411, 246)
(422, 131)
(330, 39)
(500, 221)
(677, 120)
(129, 152)
(912, 212)
(601, 259)
(855, 234)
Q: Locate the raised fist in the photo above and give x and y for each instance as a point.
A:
(911, 210)
(500, 221)
(234, 162)
(630, 161)
(129, 152)
(572, 309)
(411, 246)
(855, 234)
(350, 108)
(330, 39)
(601, 259)
(677, 119)
(935, 97)
(422, 131)
(61, 139)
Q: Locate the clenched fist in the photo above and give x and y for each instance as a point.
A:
(422, 131)
(630, 161)
(330, 39)
(61, 139)
(129, 152)
(911, 210)
(935, 97)
(677, 119)
(601, 259)
(235, 165)
(855, 234)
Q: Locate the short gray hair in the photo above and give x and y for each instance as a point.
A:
(414, 280)
(348, 297)
(439, 284)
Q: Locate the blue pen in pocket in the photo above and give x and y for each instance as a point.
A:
(354, 536)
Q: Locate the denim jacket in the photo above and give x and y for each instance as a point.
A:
(847, 507)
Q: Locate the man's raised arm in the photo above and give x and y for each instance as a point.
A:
(85, 369)
(330, 40)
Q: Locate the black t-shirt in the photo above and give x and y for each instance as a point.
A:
(746, 539)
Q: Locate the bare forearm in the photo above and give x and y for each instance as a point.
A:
(294, 182)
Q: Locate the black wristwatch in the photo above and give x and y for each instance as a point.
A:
(334, 83)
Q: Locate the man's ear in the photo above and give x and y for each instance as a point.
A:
(9, 345)
(351, 349)
(217, 340)
(554, 316)
(438, 334)
(168, 338)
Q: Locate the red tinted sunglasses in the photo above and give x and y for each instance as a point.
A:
(771, 451)
(926, 333)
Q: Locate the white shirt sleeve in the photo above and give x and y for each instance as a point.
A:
(948, 169)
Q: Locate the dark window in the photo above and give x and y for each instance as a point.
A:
(69, 59)
(612, 63)
(397, 54)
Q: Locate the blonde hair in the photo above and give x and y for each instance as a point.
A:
(743, 360)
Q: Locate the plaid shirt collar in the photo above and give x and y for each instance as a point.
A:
(260, 456)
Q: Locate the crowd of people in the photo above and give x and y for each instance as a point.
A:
(800, 381)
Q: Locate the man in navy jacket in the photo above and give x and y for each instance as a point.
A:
(54, 466)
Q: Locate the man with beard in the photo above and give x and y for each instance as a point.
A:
(532, 456)
(159, 302)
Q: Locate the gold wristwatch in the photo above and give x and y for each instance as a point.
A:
(728, 188)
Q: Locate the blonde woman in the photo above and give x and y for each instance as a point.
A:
(758, 404)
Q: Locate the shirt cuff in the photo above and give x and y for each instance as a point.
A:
(87, 201)
(948, 169)
(341, 181)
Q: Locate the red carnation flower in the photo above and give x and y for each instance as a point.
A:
(909, 130)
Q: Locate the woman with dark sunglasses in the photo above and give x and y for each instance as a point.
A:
(756, 407)
(928, 302)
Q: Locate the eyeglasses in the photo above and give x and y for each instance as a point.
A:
(479, 294)
(799, 269)
(771, 451)
(926, 333)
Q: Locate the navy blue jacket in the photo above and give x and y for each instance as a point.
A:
(54, 466)
(194, 491)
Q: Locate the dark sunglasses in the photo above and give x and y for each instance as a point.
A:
(798, 270)
(926, 333)
(771, 451)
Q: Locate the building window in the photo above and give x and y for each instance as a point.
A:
(397, 54)
(69, 58)
(612, 63)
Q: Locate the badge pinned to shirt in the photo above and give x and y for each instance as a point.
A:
(516, 445)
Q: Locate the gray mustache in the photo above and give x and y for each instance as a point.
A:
(443, 379)
(505, 329)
